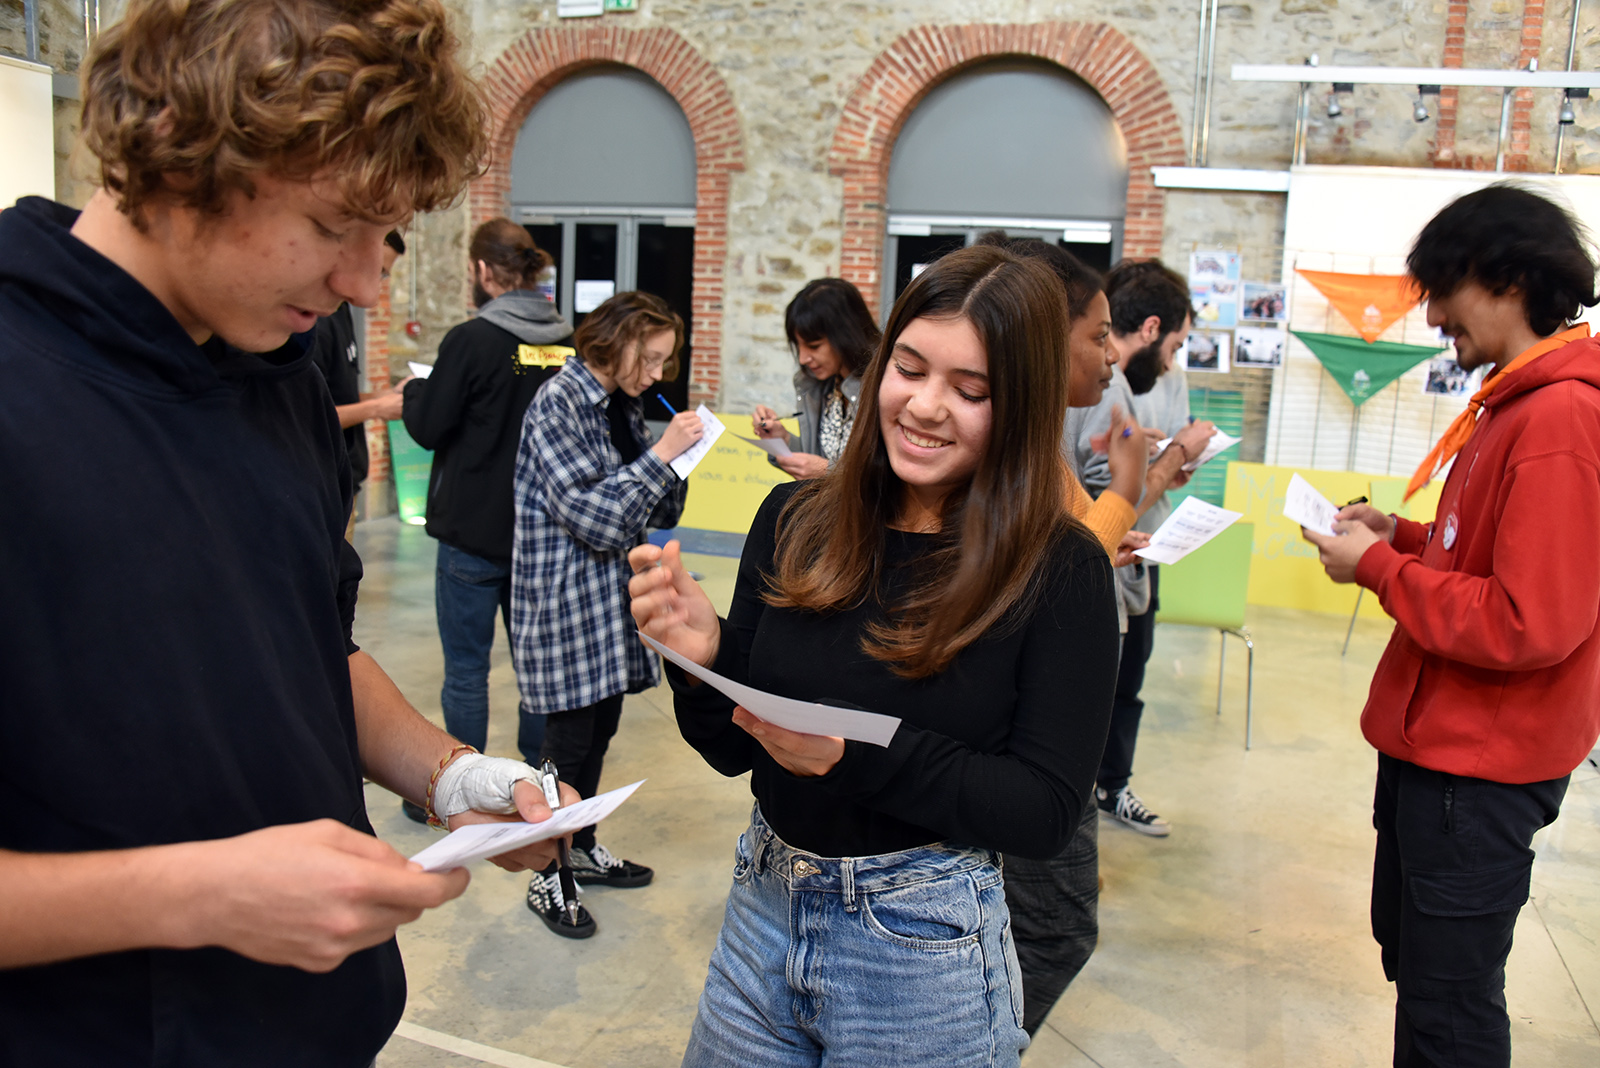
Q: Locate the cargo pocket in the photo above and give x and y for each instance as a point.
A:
(1471, 893)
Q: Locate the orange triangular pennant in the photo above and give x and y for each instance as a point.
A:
(1371, 302)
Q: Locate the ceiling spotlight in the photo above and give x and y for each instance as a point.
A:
(1334, 110)
(1419, 110)
(1566, 118)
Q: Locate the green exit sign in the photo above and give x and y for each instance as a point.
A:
(622, 5)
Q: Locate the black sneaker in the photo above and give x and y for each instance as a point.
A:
(1125, 807)
(597, 867)
(546, 902)
(414, 811)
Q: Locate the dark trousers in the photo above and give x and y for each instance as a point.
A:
(1054, 917)
(1116, 764)
(468, 591)
(1452, 871)
(576, 741)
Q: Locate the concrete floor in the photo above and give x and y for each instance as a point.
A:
(1240, 940)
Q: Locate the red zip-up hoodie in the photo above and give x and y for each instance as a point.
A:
(1494, 668)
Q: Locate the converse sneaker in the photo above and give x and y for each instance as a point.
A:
(1124, 806)
(546, 901)
(597, 867)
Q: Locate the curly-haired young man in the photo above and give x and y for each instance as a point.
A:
(189, 874)
(1487, 696)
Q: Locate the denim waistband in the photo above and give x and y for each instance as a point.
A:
(850, 876)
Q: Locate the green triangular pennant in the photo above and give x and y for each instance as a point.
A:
(1362, 368)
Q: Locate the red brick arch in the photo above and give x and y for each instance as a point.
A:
(542, 58)
(914, 64)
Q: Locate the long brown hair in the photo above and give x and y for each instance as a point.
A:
(513, 259)
(996, 531)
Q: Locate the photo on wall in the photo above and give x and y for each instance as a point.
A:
(1258, 346)
(1206, 351)
(1264, 302)
(1447, 379)
(1214, 288)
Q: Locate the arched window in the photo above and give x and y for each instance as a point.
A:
(1019, 145)
(603, 177)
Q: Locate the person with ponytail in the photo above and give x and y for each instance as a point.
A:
(469, 412)
(939, 574)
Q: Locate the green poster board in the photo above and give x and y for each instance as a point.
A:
(412, 466)
(1362, 369)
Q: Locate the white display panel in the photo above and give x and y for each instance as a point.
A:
(27, 130)
(1362, 220)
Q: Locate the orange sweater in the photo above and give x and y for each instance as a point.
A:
(1109, 517)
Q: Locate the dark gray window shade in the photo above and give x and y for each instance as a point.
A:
(1011, 138)
(611, 137)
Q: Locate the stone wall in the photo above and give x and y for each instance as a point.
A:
(793, 69)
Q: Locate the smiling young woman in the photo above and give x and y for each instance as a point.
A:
(939, 577)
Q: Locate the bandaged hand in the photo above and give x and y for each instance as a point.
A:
(474, 782)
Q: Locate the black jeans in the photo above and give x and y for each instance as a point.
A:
(576, 741)
(1055, 917)
(1451, 874)
(1116, 764)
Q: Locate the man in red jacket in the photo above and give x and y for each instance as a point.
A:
(1489, 693)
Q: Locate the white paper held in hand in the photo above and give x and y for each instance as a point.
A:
(771, 446)
(1220, 440)
(1306, 506)
(419, 370)
(1193, 523)
(805, 717)
(479, 841)
(686, 460)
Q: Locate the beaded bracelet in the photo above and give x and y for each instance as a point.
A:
(433, 781)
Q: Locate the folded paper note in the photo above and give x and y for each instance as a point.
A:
(1307, 507)
(1220, 441)
(686, 460)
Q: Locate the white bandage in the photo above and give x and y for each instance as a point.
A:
(482, 783)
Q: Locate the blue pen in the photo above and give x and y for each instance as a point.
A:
(665, 405)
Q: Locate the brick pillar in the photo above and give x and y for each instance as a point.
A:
(377, 378)
(1455, 43)
(1522, 100)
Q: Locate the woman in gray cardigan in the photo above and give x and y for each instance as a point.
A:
(832, 336)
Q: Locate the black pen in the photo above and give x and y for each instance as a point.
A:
(552, 797)
(1358, 500)
(792, 415)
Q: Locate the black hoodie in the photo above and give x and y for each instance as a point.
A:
(469, 411)
(176, 598)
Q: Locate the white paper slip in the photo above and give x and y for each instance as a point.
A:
(686, 460)
(479, 841)
(1307, 507)
(420, 370)
(806, 717)
(1220, 440)
(772, 446)
(1193, 523)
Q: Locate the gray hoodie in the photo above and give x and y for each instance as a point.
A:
(531, 318)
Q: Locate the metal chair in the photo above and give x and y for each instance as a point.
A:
(1207, 589)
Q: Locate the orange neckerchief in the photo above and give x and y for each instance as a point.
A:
(1459, 431)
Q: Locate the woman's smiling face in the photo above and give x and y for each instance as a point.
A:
(933, 406)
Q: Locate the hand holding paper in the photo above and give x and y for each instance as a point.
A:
(479, 841)
(686, 461)
(1306, 506)
(1220, 441)
(1193, 523)
(804, 717)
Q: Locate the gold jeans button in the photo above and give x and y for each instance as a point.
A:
(802, 868)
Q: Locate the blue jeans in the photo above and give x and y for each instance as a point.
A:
(899, 959)
(468, 591)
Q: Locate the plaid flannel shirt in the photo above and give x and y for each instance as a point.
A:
(579, 509)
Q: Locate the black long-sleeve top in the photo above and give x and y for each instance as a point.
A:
(999, 750)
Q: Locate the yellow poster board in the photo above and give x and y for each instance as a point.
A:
(731, 481)
(1284, 571)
